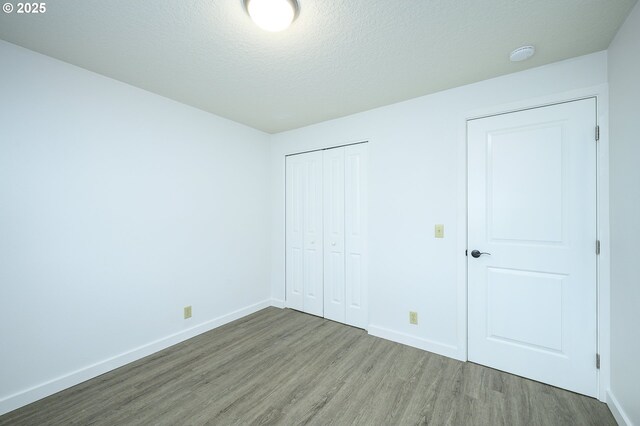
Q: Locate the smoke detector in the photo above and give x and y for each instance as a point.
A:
(522, 53)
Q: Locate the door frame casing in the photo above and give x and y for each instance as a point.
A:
(603, 261)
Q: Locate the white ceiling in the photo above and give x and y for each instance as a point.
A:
(339, 57)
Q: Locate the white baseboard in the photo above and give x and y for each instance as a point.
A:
(617, 411)
(45, 389)
(278, 303)
(417, 342)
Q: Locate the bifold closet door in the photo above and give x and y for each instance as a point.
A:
(326, 222)
(334, 259)
(355, 230)
(304, 263)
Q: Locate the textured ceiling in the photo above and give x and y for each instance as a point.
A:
(339, 57)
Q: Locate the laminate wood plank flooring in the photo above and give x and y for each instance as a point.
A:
(280, 366)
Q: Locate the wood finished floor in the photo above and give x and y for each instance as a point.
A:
(284, 367)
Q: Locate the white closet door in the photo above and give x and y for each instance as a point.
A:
(313, 269)
(334, 260)
(355, 234)
(304, 272)
(295, 178)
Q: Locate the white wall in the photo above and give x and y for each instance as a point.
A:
(624, 83)
(418, 179)
(117, 208)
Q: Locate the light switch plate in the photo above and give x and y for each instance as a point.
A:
(439, 231)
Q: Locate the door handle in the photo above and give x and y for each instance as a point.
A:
(478, 253)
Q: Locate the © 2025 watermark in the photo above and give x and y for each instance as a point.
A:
(24, 8)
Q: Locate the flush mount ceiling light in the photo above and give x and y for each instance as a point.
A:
(272, 15)
(522, 53)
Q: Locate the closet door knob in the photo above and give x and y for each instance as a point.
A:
(333, 243)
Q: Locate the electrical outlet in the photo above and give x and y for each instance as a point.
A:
(187, 312)
(439, 231)
(413, 318)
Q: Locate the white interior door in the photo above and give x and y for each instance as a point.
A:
(356, 159)
(304, 269)
(295, 178)
(532, 206)
(334, 259)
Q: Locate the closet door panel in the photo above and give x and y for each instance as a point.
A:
(355, 235)
(295, 180)
(313, 235)
(334, 261)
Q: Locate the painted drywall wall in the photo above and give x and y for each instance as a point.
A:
(624, 84)
(118, 208)
(418, 179)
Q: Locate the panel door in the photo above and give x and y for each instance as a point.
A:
(356, 158)
(313, 238)
(334, 259)
(532, 210)
(295, 184)
(304, 269)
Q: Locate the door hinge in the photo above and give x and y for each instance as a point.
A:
(466, 253)
(598, 361)
(597, 133)
(597, 246)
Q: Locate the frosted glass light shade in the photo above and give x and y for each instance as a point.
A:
(272, 15)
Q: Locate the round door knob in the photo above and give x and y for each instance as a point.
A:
(478, 253)
(333, 243)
